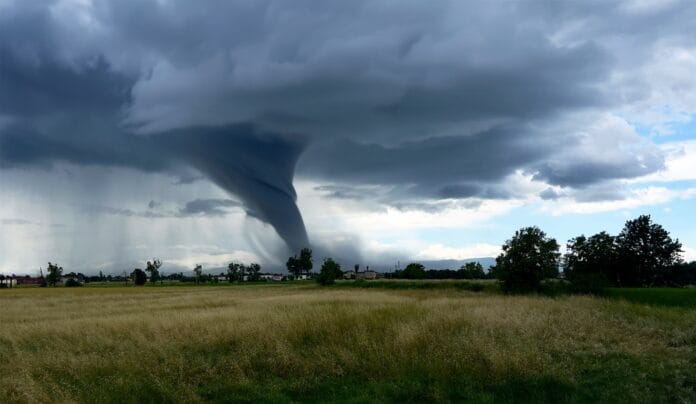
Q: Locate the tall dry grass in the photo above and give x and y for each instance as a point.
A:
(284, 343)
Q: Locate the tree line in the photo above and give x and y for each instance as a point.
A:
(642, 254)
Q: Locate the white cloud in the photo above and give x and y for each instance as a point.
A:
(671, 89)
(441, 252)
(680, 164)
(689, 254)
(635, 198)
(372, 218)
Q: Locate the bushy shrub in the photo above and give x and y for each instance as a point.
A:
(330, 271)
(72, 283)
(139, 277)
(414, 270)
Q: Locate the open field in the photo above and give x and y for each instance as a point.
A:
(288, 342)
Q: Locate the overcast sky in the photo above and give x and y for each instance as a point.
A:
(203, 132)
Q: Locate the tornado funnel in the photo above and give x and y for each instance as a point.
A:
(255, 166)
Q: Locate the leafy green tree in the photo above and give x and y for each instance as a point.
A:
(472, 270)
(235, 272)
(645, 252)
(139, 276)
(293, 266)
(54, 274)
(152, 267)
(254, 272)
(329, 272)
(305, 260)
(414, 270)
(589, 263)
(197, 271)
(300, 265)
(681, 274)
(527, 258)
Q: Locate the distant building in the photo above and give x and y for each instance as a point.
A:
(8, 282)
(273, 277)
(29, 280)
(362, 275)
(12, 281)
(367, 275)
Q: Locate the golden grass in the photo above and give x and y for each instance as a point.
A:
(280, 343)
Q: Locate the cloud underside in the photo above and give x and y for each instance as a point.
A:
(430, 102)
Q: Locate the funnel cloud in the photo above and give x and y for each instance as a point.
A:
(256, 167)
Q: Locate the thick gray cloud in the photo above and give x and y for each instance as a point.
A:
(444, 167)
(435, 100)
(209, 207)
(194, 208)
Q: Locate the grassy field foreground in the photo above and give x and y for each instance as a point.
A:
(289, 343)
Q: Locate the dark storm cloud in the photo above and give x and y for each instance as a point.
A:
(444, 167)
(433, 100)
(36, 78)
(379, 74)
(45, 86)
(341, 192)
(582, 173)
(22, 146)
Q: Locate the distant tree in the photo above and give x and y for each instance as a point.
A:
(589, 263)
(414, 270)
(198, 270)
(526, 260)
(254, 272)
(305, 260)
(300, 265)
(472, 270)
(139, 276)
(293, 266)
(330, 271)
(681, 274)
(235, 272)
(54, 274)
(645, 252)
(152, 267)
